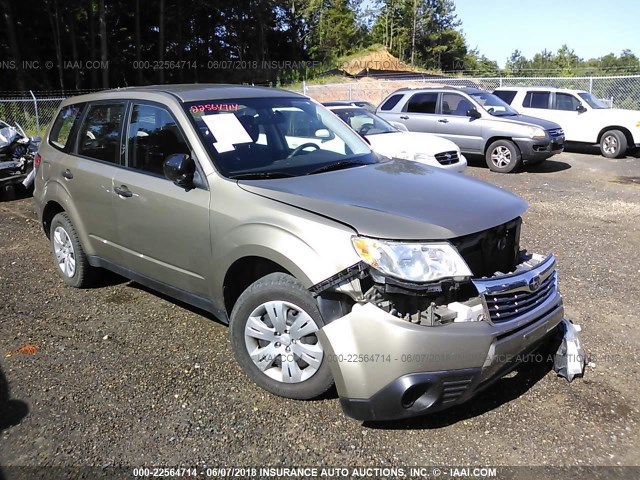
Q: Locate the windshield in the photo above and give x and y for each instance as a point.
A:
(592, 101)
(364, 122)
(493, 105)
(275, 137)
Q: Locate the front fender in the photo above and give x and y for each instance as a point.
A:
(322, 252)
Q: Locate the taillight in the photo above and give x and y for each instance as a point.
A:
(37, 160)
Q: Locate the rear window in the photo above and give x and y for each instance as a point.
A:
(63, 125)
(391, 102)
(505, 95)
(423, 103)
(536, 100)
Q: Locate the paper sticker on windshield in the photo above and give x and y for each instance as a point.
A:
(227, 130)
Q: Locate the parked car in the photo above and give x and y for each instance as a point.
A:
(478, 122)
(17, 154)
(584, 118)
(351, 103)
(403, 284)
(391, 142)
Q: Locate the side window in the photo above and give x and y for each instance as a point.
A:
(455, 104)
(391, 102)
(506, 95)
(423, 103)
(565, 101)
(99, 136)
(63, 124)
(153, 135)
(536, 100)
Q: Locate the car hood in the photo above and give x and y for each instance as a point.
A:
(527, 120)
(393, 144)
(398, 199)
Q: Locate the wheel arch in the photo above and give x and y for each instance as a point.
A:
(50, 210)
(245, 271)
(496, 138)
(625, 131)
(57, 199)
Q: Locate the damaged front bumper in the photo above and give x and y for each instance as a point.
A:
(385, 367)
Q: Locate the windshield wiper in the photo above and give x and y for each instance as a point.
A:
(336, 166)
(260, 175)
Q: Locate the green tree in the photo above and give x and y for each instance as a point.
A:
(517, 64)
(424, 32)
(479, 65)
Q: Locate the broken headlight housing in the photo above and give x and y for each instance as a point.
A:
(412, 262)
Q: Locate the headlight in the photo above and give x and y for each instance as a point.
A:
(414, 262)
(537, 133)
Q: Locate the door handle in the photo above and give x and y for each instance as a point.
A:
(123, 191)
(404, 117)
(443, 120)
(67, 174)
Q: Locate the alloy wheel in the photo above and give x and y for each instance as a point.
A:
(65, 254)
(501, 156)
(610, 144)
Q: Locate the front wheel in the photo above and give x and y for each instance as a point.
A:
(613, 144)
(273, 336)
(503, 156)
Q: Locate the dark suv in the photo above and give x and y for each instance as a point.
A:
(478, 122)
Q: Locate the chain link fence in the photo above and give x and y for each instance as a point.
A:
(33, 111)
(617, 91)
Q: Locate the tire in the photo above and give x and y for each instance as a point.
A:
(503, 156)
(8, 192)
(68, 255)
(613, 144)
(277, 315)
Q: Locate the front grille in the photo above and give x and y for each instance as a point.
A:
(503, 307)
(556, 132)
(491, 251)
(447, 158)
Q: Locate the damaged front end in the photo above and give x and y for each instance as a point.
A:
(401, 348)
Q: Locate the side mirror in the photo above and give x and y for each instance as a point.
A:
(581, 108)
(473, 113)
(180, 169)
(323, 133)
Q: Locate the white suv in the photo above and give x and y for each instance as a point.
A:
(583, 117)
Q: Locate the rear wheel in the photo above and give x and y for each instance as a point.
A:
(503, 156)
(69, 257)
(613, 144)
(273, 335)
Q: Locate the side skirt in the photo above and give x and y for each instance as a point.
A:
(181, 295)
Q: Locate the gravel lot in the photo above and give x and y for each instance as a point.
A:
(123, 376)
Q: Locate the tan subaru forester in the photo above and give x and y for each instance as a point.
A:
(404, 285)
